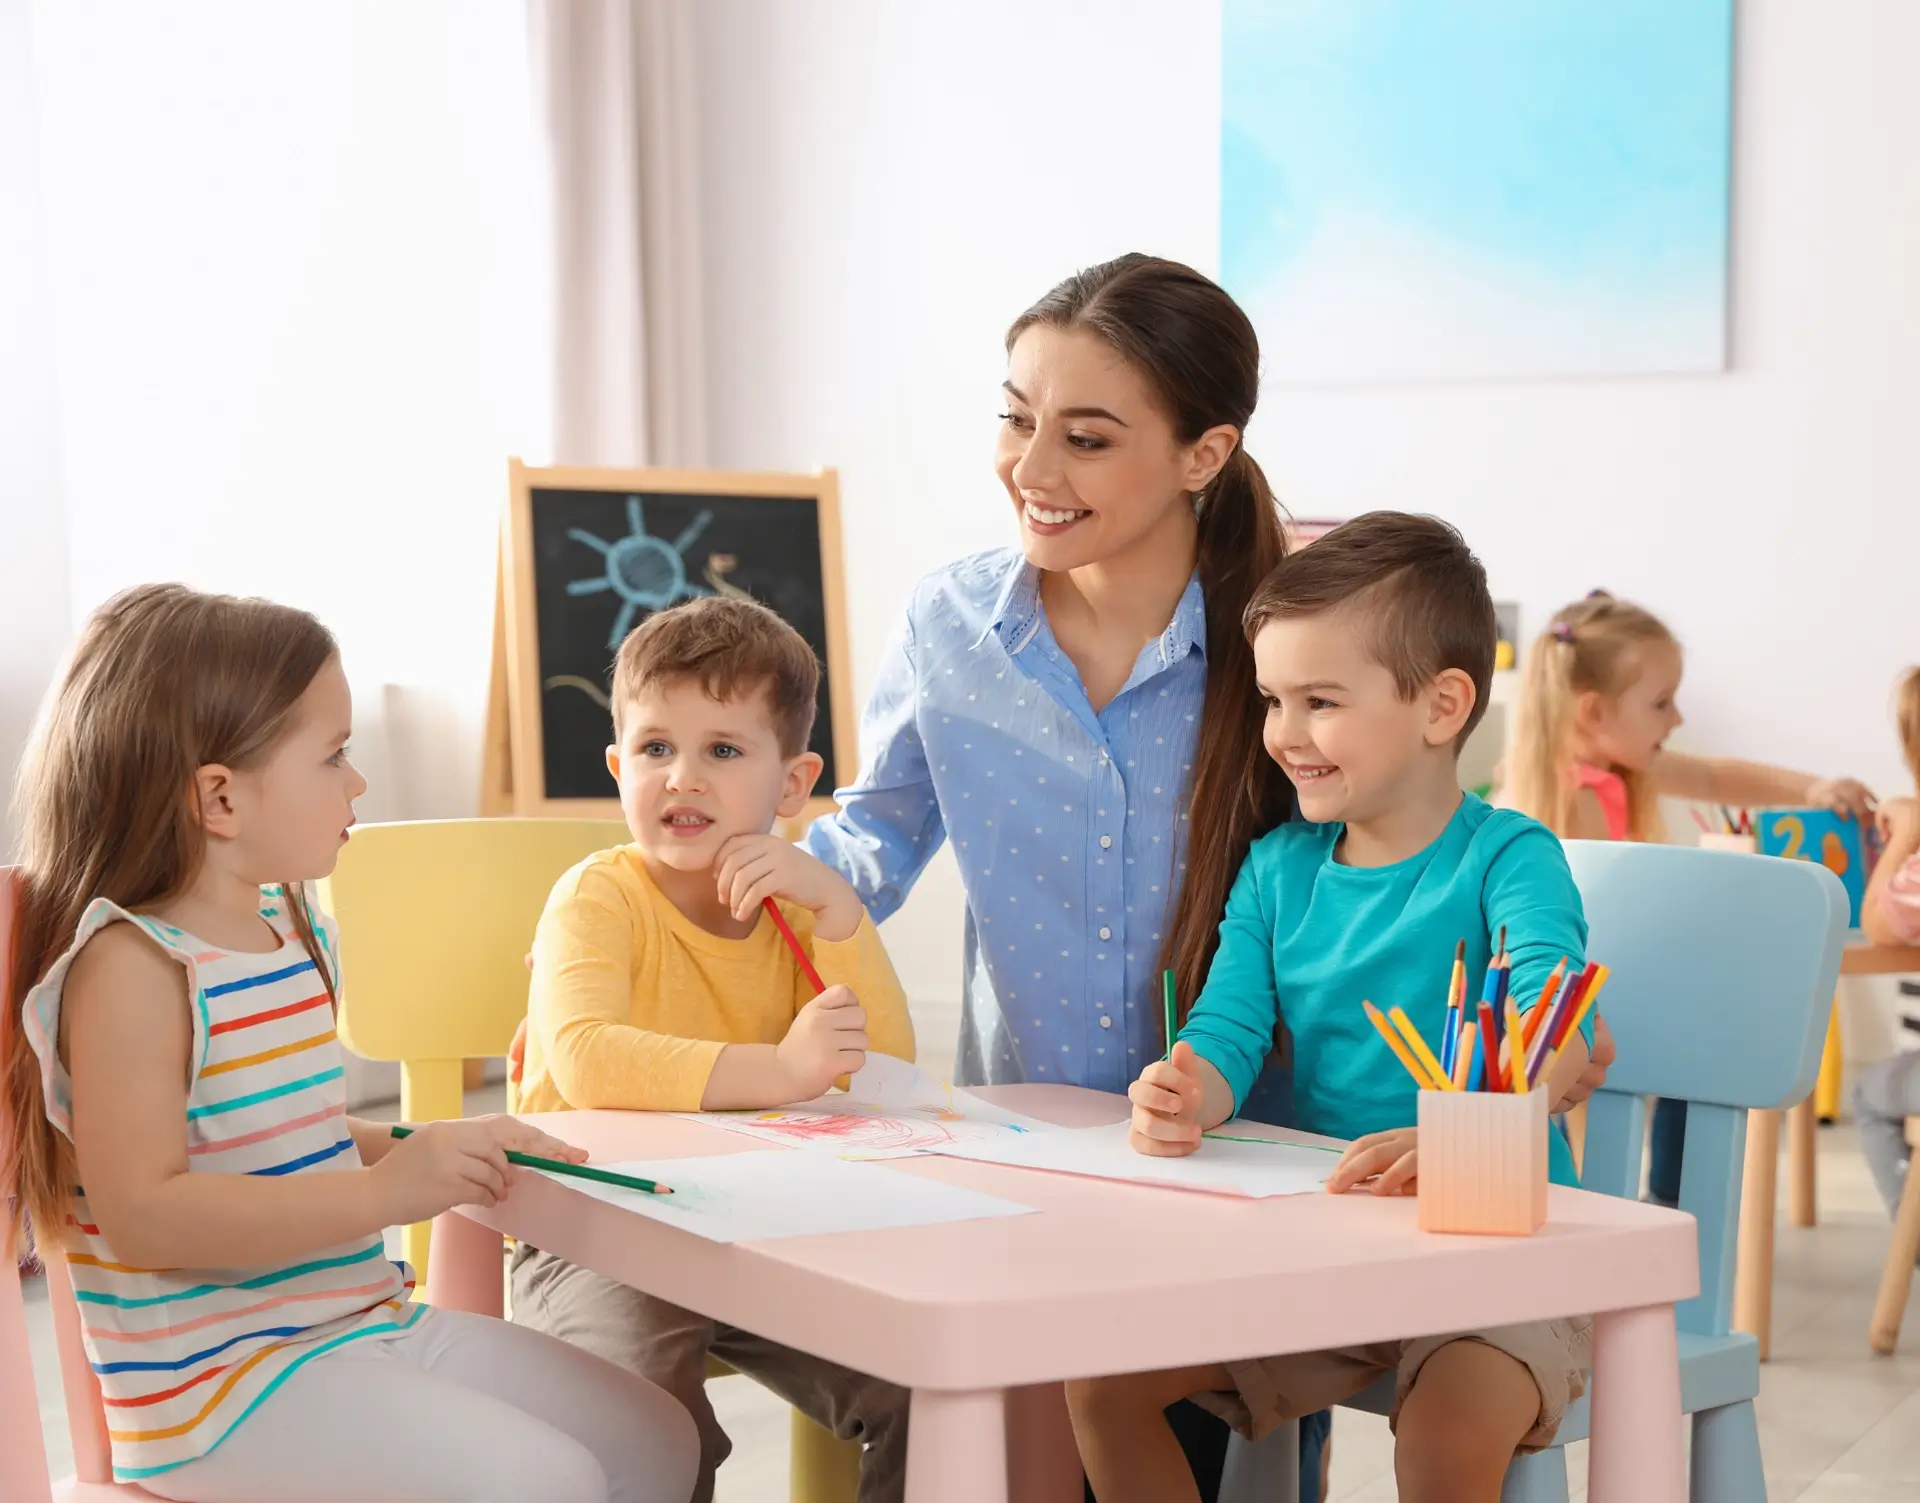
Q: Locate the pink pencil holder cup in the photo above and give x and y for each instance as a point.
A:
(1483, 1162)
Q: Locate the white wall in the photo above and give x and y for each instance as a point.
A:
(296, 304)
(33, 542)
(887, 186)
(1771, 514)
(293, 258)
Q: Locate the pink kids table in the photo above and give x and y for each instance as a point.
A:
(982, 1320)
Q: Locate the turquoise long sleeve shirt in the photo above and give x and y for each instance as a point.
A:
(1306, 940)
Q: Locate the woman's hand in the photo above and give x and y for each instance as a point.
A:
(517, 1052)
(1389, 1159)
(1166, 1106)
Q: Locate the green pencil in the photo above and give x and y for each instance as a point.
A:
(578, 1171)
(1173, 1011)
(1227, 1137)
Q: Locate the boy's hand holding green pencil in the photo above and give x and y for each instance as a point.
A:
(1166, 1105)
(467, 1161)
(1168, 1096)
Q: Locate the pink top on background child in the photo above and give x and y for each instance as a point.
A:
(1611, 789)
(1900, 903)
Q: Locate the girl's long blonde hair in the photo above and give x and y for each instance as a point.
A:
(1590, 647)
(1906, 716)
(164, 681)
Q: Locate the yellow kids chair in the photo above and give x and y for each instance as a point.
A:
(436, 918)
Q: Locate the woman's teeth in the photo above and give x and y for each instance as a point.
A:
(1310, 774)
(1050, 518)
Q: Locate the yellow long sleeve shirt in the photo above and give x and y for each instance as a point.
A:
(632, 1001)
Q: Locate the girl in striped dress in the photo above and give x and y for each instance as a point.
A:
(175, 1056)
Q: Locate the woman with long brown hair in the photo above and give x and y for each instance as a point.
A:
(1059, 710)
(169, 1044)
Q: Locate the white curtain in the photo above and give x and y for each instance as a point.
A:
(613, 91)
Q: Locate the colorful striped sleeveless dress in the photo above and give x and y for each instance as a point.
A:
(185, 1354)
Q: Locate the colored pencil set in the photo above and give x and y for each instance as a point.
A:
(1732, 821)
(1472, 1057)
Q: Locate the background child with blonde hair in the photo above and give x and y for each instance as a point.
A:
(1598, 701)
(1889, 1092)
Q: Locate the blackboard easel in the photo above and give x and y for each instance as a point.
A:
(586, 555)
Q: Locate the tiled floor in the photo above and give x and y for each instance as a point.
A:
(1838, 1425)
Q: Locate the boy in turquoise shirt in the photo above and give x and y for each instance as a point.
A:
(1374, 653)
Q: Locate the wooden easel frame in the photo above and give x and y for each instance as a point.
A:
(510, 771)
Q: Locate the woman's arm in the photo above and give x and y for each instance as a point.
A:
(888, 825)
(1890, 913)
(127, 1038)
(1724, 780)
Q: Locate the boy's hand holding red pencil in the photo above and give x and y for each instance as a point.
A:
(828, 1039)
(1166, 1105)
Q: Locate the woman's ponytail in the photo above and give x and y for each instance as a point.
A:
(1239, 792)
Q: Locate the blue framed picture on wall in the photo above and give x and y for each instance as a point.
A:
(1467, 189)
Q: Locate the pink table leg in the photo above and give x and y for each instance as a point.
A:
(1638, 1455)
(464, 1267)
(1043, 1463)
(956, 1447)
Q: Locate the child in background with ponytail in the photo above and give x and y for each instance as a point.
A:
(1598, 701)
(1589, 761)
(1889, 1092)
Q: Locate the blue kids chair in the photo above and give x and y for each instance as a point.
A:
(1723, 968)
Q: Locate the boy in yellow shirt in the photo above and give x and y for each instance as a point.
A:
(659, 984)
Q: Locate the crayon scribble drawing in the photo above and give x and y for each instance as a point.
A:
(857, 1131)
(889, 1110)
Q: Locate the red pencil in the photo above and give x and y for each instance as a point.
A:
(1494, 1079)
(793, 944)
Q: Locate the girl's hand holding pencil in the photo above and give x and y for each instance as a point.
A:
(439, 1165)
(1166, 1105)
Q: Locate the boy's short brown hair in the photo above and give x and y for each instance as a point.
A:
(1420, 593)
(732, 647)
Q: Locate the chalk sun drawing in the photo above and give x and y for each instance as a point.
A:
(646, 572)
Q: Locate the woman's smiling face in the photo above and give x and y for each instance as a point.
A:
(1091, 463)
